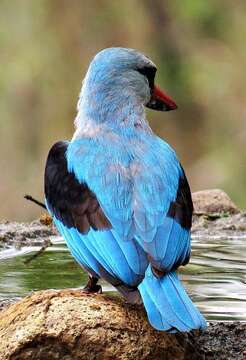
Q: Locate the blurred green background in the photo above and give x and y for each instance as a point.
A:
(198, 45)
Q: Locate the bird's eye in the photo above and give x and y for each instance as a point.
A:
(149, 72)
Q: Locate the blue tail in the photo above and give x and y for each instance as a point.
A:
(168, 306)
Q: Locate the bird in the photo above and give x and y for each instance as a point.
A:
(118, 194)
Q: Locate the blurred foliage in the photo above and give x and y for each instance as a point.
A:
(46, 46)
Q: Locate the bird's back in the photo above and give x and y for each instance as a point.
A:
(135, 178)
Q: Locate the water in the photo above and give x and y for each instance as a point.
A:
(215, 277)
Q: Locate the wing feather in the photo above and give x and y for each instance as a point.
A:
(72, 202)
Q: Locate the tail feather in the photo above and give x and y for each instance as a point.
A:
(168, 306)
(197, 318)
(154, 315)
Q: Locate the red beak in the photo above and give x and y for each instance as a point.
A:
(160, 101)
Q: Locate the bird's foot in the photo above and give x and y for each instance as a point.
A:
(92, 287)
(97, 289)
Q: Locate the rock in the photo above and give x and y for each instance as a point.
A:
(222, 226)
(67, 324)
(213, 201)
(222, 341)
(70, 325)
(46, 219)
(25, 234)
(5, 302)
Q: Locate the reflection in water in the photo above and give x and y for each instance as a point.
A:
(215, 276)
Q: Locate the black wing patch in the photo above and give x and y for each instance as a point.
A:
(71, 202)
(182, 208)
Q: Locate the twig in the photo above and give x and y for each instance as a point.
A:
(39, 252)
(29, 197)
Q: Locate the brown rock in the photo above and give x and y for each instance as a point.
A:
(46, 219)
(213, 201)
(68, 325)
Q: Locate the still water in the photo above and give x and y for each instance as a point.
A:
(215, 277)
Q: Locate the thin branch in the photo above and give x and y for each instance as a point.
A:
(39, 203)
(39, 252)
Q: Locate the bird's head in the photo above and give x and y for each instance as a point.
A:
(120, 78)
